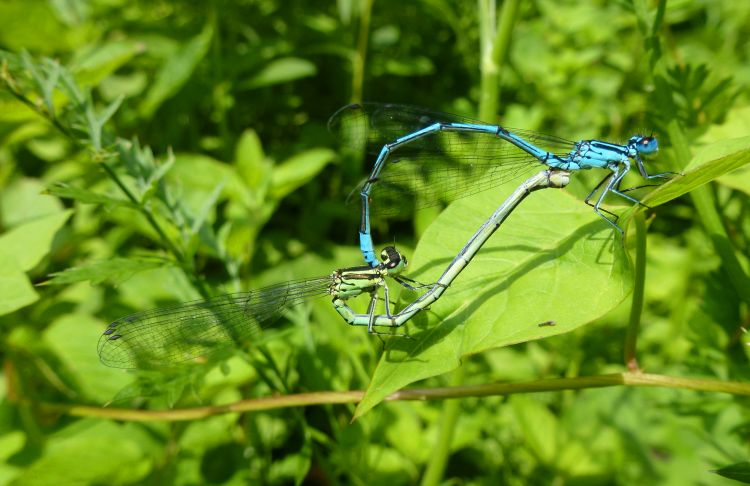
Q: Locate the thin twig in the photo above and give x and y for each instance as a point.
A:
(330, 398)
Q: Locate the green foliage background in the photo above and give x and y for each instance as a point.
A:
(160, 151)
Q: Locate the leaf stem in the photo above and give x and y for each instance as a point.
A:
(185, 263)
(636, 306)
(360, 54)
(705, 204)
(440, 453)
(320, 398)
(152, 221)
(494, 39)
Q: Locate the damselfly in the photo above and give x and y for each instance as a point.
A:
(432, 156)
(188, 331)
(550, 178)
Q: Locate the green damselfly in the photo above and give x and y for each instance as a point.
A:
(195, 330)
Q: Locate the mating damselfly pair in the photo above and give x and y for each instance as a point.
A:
(419, 153)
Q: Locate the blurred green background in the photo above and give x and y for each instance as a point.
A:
(157, 151)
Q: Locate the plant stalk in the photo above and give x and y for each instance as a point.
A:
(494, 45)
(705, 203)
(636, 306)
(360, 54)
(321, 398)
(441, 452)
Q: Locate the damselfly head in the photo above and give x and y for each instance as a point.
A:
(393, 260)
(644, 145)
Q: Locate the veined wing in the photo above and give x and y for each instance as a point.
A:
(439, 167)
(373, 125)
(168, 336)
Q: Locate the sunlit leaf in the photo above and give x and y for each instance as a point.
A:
(15, 289)
(176, 71)
(85, 196)
(30, 242)
(72, 338)
(82, 453)
(739, 472)
(33, 26)
(104, 60)
(252, 165)
(114, 271)
(553, 260)
(298, 170)
(25, 200)
(709, 163)
(280, 71)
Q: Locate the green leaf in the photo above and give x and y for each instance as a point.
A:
(200, 435)
(25, 200)
(539, 427)
(93, 451)
(412, 66)
(72, 13)
(208, 205)
(252, 165)
(28, 243)
(734, 126)
(176, 72)
(109, 111)
(70, 87)
(15, 289)
(298, 170)
(12, 110)
(739, 472)
(280, 71)
(553, 260)
(73, 337)
(197, 177)
(738, 179)
(158, 171)
(32, 25)
(49, 150)
(62, 190)
(711, 162)
(103, 60)
(12, 443)
(130, 85)
(114, 270)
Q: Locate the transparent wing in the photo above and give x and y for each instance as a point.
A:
(171, 335)
(440, 167)
(407, 184)
(373, 125)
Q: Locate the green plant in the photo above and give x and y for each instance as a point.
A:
(158, 152)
